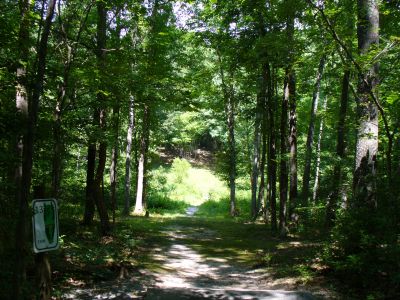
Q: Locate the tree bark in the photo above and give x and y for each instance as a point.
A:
(229, 105)
(131, 129)
(364, 180)
(271, 150)
(90, 169)
(255, 163)
(101, 98)
(261, 199)
(140, 204)
(114, 159)
(318, 162)
(283, 180)
(340, 152)
(232, 154)
(291, 81)
(21, 88)
(310, 135)
(29, 136)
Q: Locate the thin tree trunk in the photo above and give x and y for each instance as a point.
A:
(131, 128)
(230, 114)
(29, 137)
(283, 180)
(115, 128)
(232, 156)
(90, 169)
(271, 151)
(255, 162)
(114, 160)
(340, 152)
(318, 162)
(291, 77)
(364, 181)
(256, 159)
(310, 135)
(261, 199)
(140, 187)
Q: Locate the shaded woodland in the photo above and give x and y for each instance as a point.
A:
(294, 105)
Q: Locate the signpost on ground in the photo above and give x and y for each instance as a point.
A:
(45, 238)
(45, 225)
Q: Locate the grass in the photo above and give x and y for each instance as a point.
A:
(173, 189)
(86, 258)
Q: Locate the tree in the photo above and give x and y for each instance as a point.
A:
(310, 134)
(364, 182)
(29, 136)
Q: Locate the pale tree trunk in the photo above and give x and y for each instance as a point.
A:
(21, 99)
(291, 78)
(364, 181)
(115, 129)
(131, 128)
(261, 199)
(114, 159)
(283, 180)
(229, 105)
(271, 151)
(256, 158)
(310, 135)
(90, 169)
(232, 157)
(318, 151)
(258, 126)
(331, 205)
(140, 204)
(29, 137)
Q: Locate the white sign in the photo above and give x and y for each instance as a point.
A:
(45, 225)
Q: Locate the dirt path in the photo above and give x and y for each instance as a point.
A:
(192, 258)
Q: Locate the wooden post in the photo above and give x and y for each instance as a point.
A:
(42, 262)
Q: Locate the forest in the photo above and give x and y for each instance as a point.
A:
(201, 148)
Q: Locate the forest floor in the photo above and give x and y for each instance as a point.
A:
(189, 258)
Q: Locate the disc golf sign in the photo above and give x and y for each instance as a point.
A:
(45, 225)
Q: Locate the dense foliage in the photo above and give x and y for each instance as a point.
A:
(287, 95)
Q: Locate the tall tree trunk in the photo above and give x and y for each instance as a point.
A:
(255, 162)
(291, 77)
(115, 129)
(229, 103)
(101, 98)
(29, 137)
(261, 199)
(140, 187)
(131, 128)
(310, 135)
(283, 180)
(271, 150)
(90, 169)
(364, 181)
(114, 159)
(318, 162)
(340, 152)
(57, 146)
(256, 158)
(21, 100)
(232, 154)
